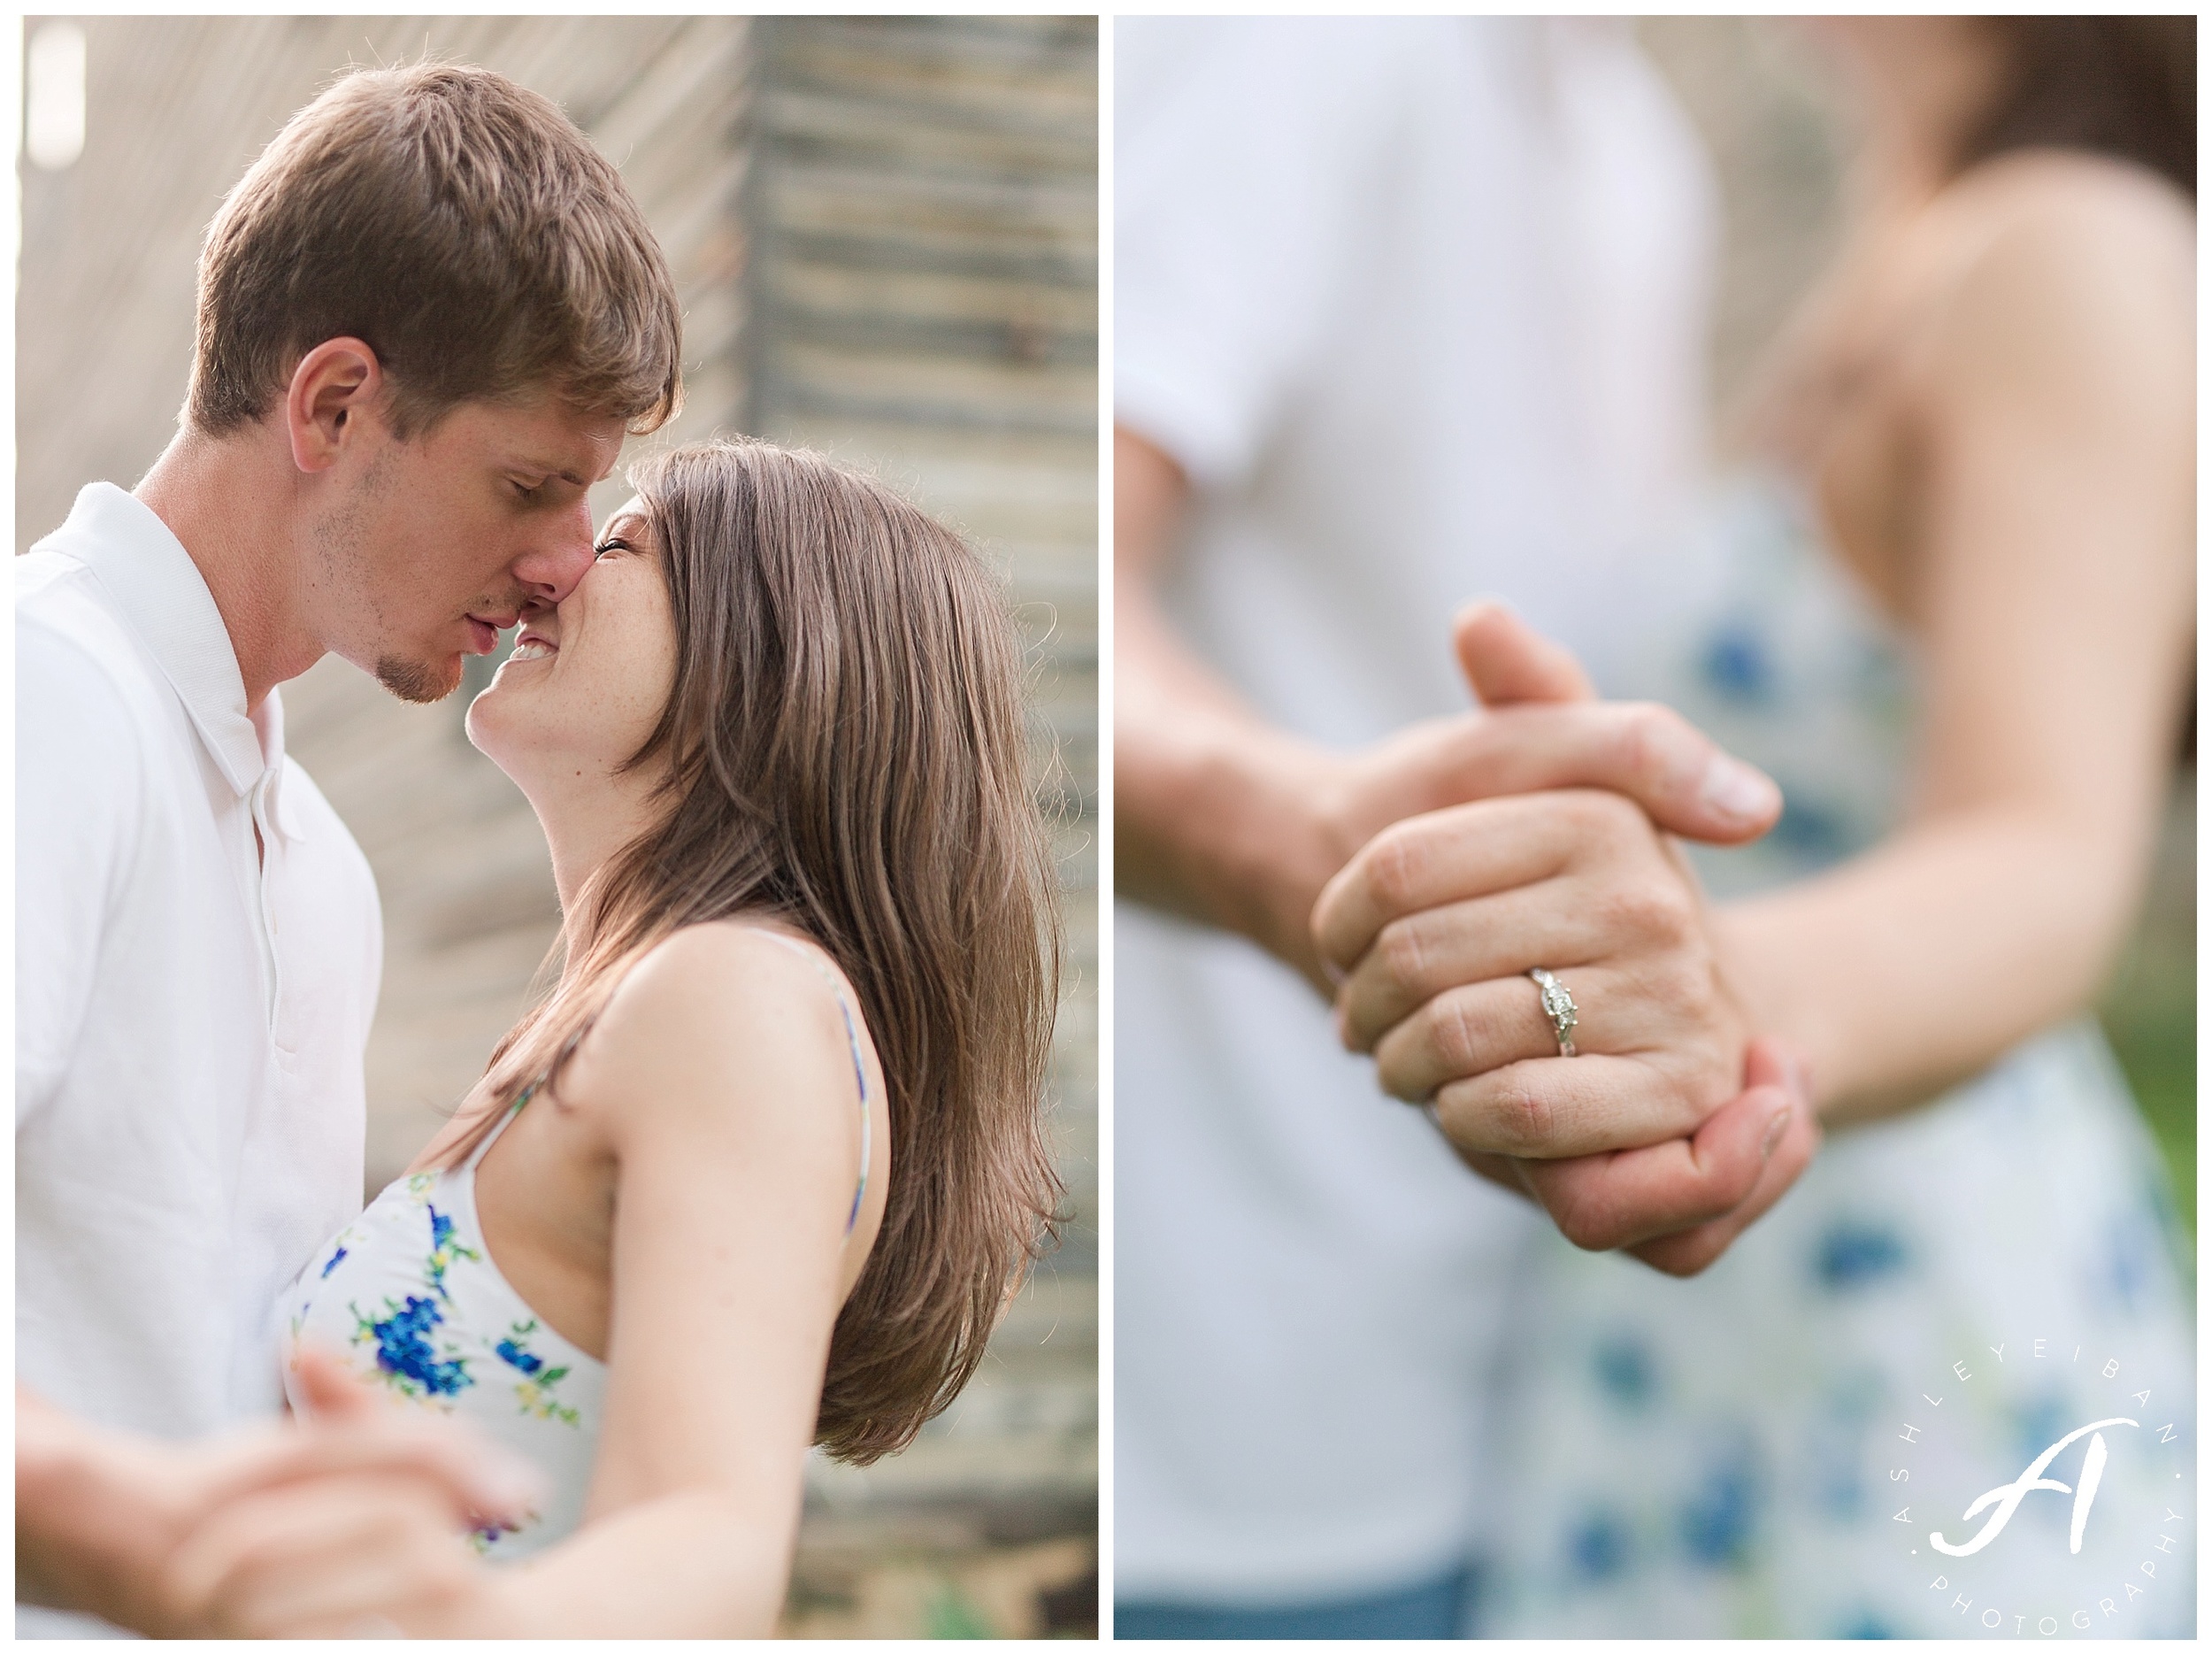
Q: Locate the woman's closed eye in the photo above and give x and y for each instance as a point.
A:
(611, 543)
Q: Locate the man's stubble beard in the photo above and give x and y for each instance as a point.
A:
(412, 680)
(344, 540)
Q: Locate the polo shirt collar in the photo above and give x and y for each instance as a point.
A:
(153, 581)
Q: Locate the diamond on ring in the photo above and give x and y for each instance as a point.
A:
(1559, 1006)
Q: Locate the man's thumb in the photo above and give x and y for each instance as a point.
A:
(1507, 660)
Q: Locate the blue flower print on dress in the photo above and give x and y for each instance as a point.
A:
(535, 1390)
(1720, 1518)
(1599, 1547)
(1866, 1624)
(404, 1352)
(1625, 1372)
(443, 1250)
(336, 1260)
(1736, 664)
(1854, 1252)
(1810, 830)
(516, 1357)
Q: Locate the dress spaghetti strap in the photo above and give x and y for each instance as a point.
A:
(484, 1146)
(860, 1069)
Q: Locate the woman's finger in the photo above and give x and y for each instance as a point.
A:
(1463, 852)
(1479, 1027)
(1552, 1108)
(1419, 956)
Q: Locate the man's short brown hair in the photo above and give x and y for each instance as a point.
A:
(464, 229)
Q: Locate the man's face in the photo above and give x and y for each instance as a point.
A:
(431, 547)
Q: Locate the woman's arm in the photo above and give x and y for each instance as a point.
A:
(723, 1072)
(2053, 417)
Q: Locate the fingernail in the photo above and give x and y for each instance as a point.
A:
(1774, 1129)
(1736, 791)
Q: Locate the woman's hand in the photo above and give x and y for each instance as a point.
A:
(1440, 918)
(1678, 1205)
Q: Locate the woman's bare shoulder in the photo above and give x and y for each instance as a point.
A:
(2069, 212)
(727, 1009)
(2058, 259)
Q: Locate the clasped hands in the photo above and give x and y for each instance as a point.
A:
(1672, 1130)
(351, 1523)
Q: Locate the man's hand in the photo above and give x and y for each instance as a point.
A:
(366, 1545)
(100, 1515)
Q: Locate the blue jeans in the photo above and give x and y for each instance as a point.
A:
(1435, 1608)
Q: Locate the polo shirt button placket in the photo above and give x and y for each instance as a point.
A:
(258, 804)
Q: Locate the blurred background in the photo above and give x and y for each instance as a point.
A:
(885, 235)
(1761, 98)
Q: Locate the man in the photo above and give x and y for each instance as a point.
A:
(1406, 310)
(427, 315)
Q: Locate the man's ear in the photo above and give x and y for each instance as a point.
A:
(333, 386)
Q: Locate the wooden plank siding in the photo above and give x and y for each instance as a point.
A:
(922, 210)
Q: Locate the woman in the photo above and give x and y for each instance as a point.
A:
(1949, 610)
(763, 1169)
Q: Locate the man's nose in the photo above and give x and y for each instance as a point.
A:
(559, 554)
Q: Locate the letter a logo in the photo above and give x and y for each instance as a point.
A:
(2007, 1496)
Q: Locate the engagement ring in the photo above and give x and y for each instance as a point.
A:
(1559, 1006)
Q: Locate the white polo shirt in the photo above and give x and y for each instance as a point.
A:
(190, 1016)
(1417, 305)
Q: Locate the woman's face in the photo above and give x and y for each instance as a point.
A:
(589, 678)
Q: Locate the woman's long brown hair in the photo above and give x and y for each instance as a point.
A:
(2124, 87)
(846, 741)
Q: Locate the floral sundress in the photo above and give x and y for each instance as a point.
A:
(1768, 1450)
